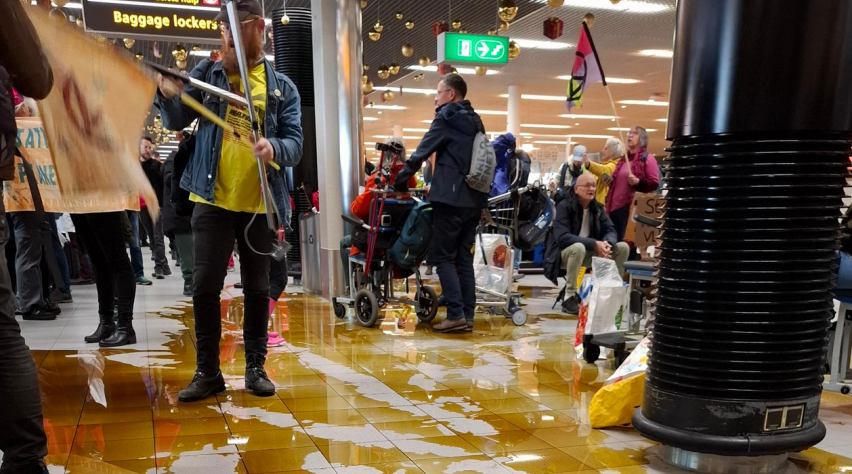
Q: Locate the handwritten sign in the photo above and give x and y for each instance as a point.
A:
(651, 206)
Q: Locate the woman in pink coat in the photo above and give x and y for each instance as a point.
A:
(643, 176)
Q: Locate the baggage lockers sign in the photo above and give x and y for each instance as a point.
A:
(458, 48)
(174, 19)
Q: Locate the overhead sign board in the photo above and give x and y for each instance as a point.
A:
(457, 48)
(167, 19)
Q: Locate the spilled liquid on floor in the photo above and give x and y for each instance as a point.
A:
(393, 399)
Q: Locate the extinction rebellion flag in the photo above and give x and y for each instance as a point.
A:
(587, 69)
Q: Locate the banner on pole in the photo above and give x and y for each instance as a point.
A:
(93, 118)
(587, 69)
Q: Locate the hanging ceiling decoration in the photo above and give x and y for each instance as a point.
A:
(407, 50)
(507, 10)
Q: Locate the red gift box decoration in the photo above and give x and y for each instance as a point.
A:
(440, 27)
(444, 69)
(553, 27)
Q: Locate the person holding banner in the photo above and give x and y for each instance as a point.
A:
(22, 438)
(638, 171)
(222, 177)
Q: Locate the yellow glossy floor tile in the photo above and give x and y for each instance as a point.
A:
(176, 411)
(117, 450)
(376, 400)
(497, 392)
(559, 402)
(438, 447)
(349, 416)
(420, 383)
(432, 396)
(272, 439)
(539, 419)
(579, 435)
(100, 415)
(403, 467)
(352, 454)
(169, 449)
(501, 444)
(190, 427)
(389, 415)
(512, 405)
(115, 431)
(307, 391)
(82, 465)
(480, 464)
(607, 455)
(413, 430)
(543, 461)
(316, 404)
(283, 460)
(204, 464)
(479, 425)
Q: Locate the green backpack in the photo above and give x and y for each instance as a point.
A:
(412, 244)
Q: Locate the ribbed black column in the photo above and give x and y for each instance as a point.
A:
(294, 57)
(761, 127)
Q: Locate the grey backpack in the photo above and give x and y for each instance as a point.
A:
(483, 164)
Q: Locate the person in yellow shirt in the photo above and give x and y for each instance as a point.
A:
(224, 183)
(612, 151)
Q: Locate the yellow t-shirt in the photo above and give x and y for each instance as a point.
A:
(237, 185)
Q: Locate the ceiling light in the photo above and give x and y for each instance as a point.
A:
(661, 120)
(550, 142)
(541, 125)
(426, 121)
(385, 107)
(371, 119)
(420, 130)
(574, 135)
(527, 147)
(592, 117)
(370, 143)
(73, 5)
(491, 112)
(560, 98)
(388, 137)
(461, 70)
(538, 44)
(625, 129)
(406, 90)
(645, 102)
(627, 6)
(609, 80)
(577, 124)
(657, 53)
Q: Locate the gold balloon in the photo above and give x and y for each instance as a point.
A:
(481, 70)
(383, 72)
(374, 35)
(60, 3)
(388, 96)
(367, 87)
(589, 18)
(366, 67)
(425, 61)
(614, 2)
(418, 77)
(399, 15)
(378, 27)
(101, 39)
(58, 16)
(128, 43)
(514, 50)
(407, 50)
(80, 22)
(285, 20)
(363, 4)
(555, 3)
(504, 25)
(456, 24)
(454, 71)
(179, 53)
(507, 10)
(181, 64)
(492, 32)
(364, 79)
(394, 68)
(139, 56)
(409, 24)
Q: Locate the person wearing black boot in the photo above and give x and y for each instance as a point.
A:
(103, 236)
(223, 180)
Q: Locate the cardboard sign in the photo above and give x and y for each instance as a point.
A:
(648, 205)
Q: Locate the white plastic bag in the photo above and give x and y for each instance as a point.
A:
(492, 262)
(608, 298)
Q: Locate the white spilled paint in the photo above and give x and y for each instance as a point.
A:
(438, 409)
(423, 382)
(280, 420)
(207, 449)
(424, 447)
(474, 465)
(472, 426)
(315, 462)
(223, 463)
(345, 434)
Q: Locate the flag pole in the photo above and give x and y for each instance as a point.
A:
(620, 133)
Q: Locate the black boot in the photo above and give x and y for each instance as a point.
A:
(256, 379)
(122, 336)
(202, 386)
(106, 327)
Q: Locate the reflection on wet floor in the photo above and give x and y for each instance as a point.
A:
(393, 399)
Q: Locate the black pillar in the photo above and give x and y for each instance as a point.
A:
(761, 128)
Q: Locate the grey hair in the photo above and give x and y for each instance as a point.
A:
(643, 136)
(616, 146)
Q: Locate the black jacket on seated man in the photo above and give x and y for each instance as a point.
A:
(451, 136)
(566, 231)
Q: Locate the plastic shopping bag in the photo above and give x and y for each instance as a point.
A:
(608, 298)
(621, 394)
(584, 293)
(492, 262)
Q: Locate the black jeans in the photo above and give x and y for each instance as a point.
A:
(103, 236)
(155, 238)
(22, 438)
(451, 253)
(619, 218)
(214, 230)
(278, 276)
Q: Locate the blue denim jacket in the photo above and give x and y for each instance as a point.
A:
(283, 128)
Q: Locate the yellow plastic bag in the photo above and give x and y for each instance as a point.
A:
(621, 395)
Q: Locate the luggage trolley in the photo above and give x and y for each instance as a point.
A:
(503, 211)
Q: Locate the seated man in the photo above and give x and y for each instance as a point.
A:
(583, 230)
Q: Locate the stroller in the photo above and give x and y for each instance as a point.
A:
(372, 271)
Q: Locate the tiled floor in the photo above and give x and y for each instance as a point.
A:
(351, 400)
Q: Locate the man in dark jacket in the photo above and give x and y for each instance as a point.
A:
(456, 207)
(153, 169)
(582, 230)
(24, 66)
(178, 228)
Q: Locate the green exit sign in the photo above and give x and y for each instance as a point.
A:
(457, 48)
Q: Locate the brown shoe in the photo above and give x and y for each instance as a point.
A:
(450, 325)
(469, 327)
